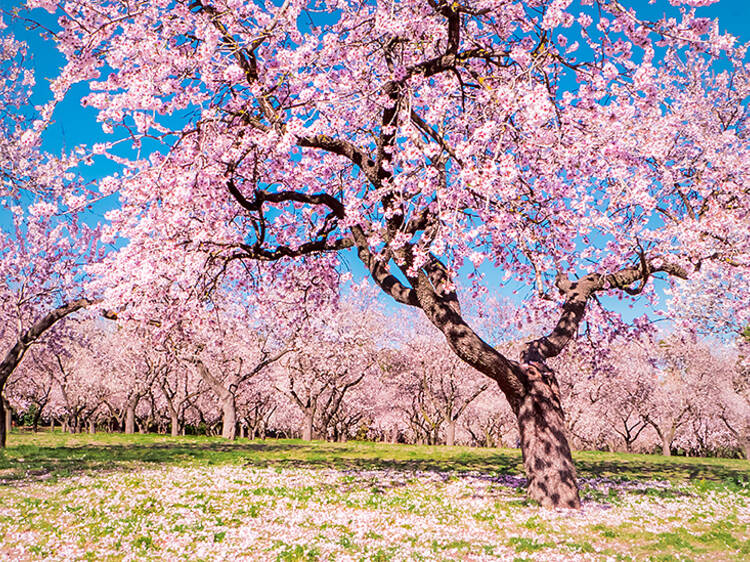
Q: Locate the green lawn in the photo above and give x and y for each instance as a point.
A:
(59, 454)
(114, 497)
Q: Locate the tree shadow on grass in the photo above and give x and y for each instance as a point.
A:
(27, 463)
(674, 469)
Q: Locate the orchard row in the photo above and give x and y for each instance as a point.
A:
(338, 378)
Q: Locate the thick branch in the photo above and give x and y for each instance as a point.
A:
(577, 294)
(16, 353)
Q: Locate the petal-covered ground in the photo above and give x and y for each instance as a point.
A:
(141, 511)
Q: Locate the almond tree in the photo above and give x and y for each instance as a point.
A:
(490, 422)
(334, 353)
(578, 149)
(42, 244)
(227, 350)
(442, 386)
(735, 410)
(30, 388)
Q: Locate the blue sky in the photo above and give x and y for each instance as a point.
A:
(76, 125)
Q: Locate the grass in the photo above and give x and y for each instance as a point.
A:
(109, 497)
(56, 454)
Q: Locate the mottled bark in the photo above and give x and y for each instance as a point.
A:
(529, 386)
(92, 426)
(546, 454)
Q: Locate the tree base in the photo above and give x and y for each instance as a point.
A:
(546, 453)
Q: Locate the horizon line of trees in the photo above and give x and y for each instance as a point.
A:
(336, 380)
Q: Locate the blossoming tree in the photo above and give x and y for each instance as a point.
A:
(579, 149)
(42, 243)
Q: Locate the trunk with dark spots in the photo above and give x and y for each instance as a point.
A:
(450, 433)
(530, 387)
(534, 396)
(228, 418)
(546, 454)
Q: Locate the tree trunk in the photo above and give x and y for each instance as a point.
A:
(229, 418)
(529, 385)
(92, 426)
(4, 425)
(393, 435)
(450, 433)
(666, 447)
(37, 417)
(546, 453)
(130, 419)
(488, 439)
(307, 427)
(174, 425)
(744, 442)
